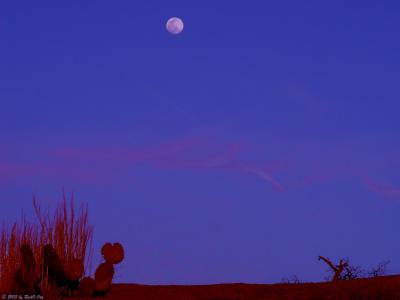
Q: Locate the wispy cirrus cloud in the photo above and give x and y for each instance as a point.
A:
(385, 190)
(101, 163)
(302, 167)
(264, 175)
(183, 154)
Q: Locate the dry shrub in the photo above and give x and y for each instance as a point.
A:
(75, 269)
(67, 230)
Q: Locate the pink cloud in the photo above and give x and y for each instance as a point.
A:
(385, 190)
(97, 164)
(266, 177)
(109, 164)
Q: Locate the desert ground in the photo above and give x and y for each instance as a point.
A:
(379, 288)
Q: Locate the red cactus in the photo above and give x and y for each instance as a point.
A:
(103, 277)
(25, 278)
(87, 287)
(113, 253)
(106, 250)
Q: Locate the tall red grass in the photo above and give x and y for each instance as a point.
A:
(67, 229)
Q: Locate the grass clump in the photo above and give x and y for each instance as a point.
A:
(46, 257)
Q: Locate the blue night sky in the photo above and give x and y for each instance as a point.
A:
(264, 135)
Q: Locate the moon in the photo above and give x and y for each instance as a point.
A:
(175, 25)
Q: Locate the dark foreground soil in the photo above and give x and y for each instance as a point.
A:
(380, 288)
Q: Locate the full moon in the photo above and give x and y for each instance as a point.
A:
(175, 25)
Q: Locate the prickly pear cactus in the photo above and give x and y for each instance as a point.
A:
(52, 262)
(103, 277)
(113, 253)
(25, 281)
(101, 284)
(87, 287)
